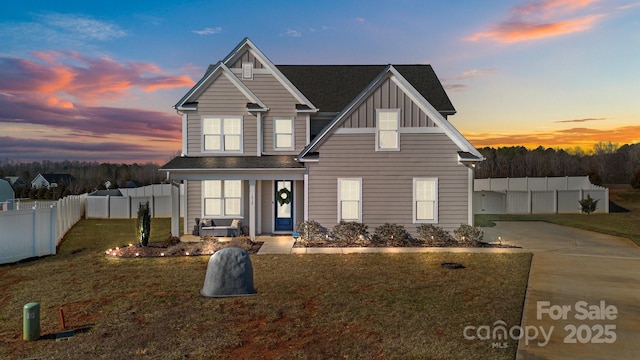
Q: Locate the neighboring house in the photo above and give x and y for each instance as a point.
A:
(6, 195)
(276, 145)
(51, 180)
(16, 182)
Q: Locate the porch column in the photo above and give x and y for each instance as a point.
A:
(252, 209)
(306, 197)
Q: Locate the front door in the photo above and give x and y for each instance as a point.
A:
(284, 205)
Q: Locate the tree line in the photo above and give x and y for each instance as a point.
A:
(606, 163)
(88, 176)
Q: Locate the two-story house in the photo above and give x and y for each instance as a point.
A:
(276, 145)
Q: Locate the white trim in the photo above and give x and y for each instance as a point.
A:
(470, 217)
(266, 63)
(308, 127)
(340, 180)
(337, 119)
(204, 83)
(184, 134)
(223, 216)
(242, 87)
(432, 113)
(260, 135)
(398, 114)
(435, 203)
(256, 71)
(252, 209)
(222, 135)
(259, 206)
(306, 197)
(185, 207)
(347, 131)
(293, 133)
(403, 130)
(415, 96)
(421, 130)
(247, 66)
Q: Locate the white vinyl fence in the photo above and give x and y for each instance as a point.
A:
(38, 230)
(536, 195)
(126, 206)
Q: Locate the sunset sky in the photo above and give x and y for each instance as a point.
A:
(95, 81)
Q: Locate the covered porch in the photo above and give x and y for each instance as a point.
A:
(267, 194)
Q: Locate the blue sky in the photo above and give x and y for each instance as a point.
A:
(96, 80)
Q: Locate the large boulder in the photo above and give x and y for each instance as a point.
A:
(229, 273)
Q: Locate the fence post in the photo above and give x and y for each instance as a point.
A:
(53, 234)
(555, 201)
(34, 231)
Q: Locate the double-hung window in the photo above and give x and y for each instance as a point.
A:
(388, 129)
(222, 198)
(283, 134)
(425, 200)
(350, 200)
(222, 134)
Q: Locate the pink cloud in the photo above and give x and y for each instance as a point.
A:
(83, 79)
(541, 19)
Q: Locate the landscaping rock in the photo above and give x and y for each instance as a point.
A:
(229, 273)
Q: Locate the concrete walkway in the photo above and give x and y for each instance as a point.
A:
(275, 244)
(576, 273)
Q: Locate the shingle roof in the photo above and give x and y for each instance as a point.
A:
(332, 87)
(234, 162)
(56, 178)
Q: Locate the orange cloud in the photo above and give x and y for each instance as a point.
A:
(510, 32)
(566, 139)
(85, 79)
(55, 102)
(541, 19)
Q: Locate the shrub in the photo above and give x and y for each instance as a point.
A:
(311, 231)
(434, 235)
(170, 241)
(588, 205)
(391, 234)
(468, 235)
(350, 232)
(144, 224)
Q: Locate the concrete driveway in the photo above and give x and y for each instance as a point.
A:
(583, 296)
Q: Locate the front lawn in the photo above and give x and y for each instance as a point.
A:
(366, 306)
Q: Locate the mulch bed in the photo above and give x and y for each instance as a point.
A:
(329, 243)
(181, 249)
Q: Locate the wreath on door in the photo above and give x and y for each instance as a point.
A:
(284, 196)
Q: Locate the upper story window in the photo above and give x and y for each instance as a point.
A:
(387, 131)
(283, 134)
(247, 71)
(222, 134)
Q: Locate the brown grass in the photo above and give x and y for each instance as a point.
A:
(367, 306)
